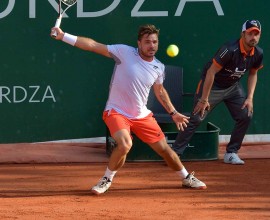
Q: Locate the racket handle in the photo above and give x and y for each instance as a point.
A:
(57, 24)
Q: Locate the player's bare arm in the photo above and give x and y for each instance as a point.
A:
(203, 103)
(93, 46)
(83, 43)
(163, 97)
(252, 81)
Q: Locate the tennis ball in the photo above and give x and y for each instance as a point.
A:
(172, 50)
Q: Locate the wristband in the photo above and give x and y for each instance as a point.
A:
(173, 113)
(69, 39)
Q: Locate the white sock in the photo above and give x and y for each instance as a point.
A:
(109, 174)
(182, 173)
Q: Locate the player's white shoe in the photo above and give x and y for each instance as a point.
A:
(192, 182)
(102, 186)
(233, 158)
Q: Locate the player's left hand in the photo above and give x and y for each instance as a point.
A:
(249, 105)
(180, 120)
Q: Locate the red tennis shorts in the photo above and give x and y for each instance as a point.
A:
(146, 129)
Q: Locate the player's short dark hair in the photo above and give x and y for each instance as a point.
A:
(147, 29)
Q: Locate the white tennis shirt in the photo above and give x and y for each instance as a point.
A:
(131, 81)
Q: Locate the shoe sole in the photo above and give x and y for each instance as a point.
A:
(96, 192)
(196, 188)
(234, 163)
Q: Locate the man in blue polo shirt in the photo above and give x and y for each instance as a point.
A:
(220, 83)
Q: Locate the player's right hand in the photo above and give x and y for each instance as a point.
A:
(59, 34)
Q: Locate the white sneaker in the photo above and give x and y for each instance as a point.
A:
(102, 186)
(192, 182)
(233, 158)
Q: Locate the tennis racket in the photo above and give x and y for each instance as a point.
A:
(68, 4)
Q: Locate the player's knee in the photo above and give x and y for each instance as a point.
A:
(124, 146)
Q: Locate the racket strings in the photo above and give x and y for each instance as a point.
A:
(69, 2)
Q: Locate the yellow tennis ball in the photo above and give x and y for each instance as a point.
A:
(172, 50)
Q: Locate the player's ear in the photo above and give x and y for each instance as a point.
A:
(139, 44)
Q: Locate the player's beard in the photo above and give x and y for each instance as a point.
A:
(149, 54)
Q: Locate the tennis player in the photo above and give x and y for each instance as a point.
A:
(136, 71)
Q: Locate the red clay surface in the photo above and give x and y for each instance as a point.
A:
(139, 191)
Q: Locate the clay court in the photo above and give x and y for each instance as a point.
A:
(32, 188)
